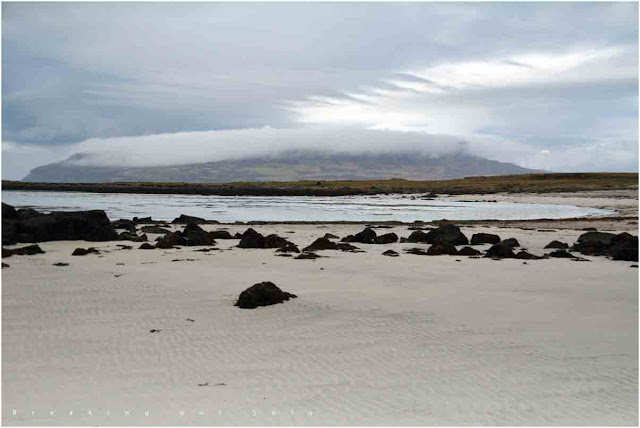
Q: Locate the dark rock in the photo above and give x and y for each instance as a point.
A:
(289, 247)
(308, 256)
(8, 211)
(563, 254)
(275, 241)
(624, 246)
(142, 220)
(195, 235)
(147, 246)
(417, 237)
(221, 234)
(84, 252)
(404, 240)
(59, 226)
(468, 251)
(523, 255)
(325, 244)
(510, 242)
(4, 265)
(126, 236)
(29, 250)
(170, 240)
(484, 238)
(188, 219)
(237, 236)
(447, 233)
(556, 244)
(387, 238)
(262, 294)
(442, 248)
(61, 264)
(593, 243)
(590, 229)
(330, 236)
(155, 229)
(416, 251)
(251, 239)
(367, 236)
(500, 251)
(124, 224)
(390, 253)
(26, 213)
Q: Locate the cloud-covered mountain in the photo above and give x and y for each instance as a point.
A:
(286, 166)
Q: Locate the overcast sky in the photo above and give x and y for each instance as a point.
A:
(544, 85)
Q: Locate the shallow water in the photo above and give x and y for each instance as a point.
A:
(290, 208)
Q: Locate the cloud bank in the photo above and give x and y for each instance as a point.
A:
(552, 79)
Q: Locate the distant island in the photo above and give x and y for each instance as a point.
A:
(293, 165)
(520, 183)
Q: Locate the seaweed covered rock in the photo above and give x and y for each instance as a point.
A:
(447, 233)
(387, 238)
(262, 294)
(325, 244)
(500, 251)
(442, 248)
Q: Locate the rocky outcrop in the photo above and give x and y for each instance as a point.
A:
(510, 242)
(623, 246)
(32, 226)
(188, 219)
(468, 251)
(325, 244)
(262, 294)
(29, 250)
(484, 238)
(557, 245)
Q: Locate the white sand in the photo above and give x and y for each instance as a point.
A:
(370, 340)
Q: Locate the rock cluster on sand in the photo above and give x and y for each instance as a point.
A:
(252, 239)
(447, 233)
(188, 219)
(192, 235)
(623, 246)
(556, 244)
(84, 251)
(28, 225)
(369, 236)
(29, 250)
(325, 244)
(484, 238)
(262, 294)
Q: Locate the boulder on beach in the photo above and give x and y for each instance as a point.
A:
(31, 226)
(510, 242)
(500, 251)
(484, 238)
(196, 235)
(188, 219)
(524, 255)
(623, 246)
(387, 238)
(84, 251)
(170, 240)
(556, 244)
(253, 239)
(142, 220)
(124, 224)
(367, 236)
(126, 236)
(447, 233)
(262, 294)
(440, 248)
(468, 251)
(147, 246)
(155, 229)
(330, 236)
(289, 247)
(29, 250)
(221, 234)
(325, 244)
(391, 253)
(417, 237)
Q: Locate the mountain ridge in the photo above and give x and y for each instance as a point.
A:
(288, 166)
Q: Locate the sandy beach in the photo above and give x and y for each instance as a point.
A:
(370, 340)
